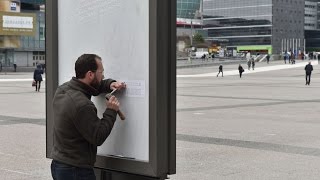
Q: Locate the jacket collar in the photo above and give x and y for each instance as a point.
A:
(86, 89)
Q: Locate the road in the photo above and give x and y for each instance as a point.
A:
(262, 126)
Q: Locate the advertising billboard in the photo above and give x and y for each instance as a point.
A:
(17, 24)
(139, 51)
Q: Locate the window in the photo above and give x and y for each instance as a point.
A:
(42, 32)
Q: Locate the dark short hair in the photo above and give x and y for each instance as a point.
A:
(85, 63)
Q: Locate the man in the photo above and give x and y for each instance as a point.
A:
(220, 70)
(241, 70)
(308, 70)
(249, 64)
(268, 58)
(253, 64)
(77, 129)
(15, 67)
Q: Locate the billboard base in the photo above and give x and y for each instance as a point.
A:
(115, 175)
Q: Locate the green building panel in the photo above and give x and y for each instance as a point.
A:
(187, 8)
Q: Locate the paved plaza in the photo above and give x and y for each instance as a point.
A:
(263, 126)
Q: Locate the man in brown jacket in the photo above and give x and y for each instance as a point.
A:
(77, 128)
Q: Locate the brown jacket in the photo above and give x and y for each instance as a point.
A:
(77, 128)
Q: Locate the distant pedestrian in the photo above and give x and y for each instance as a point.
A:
(0, 66)
(293, 59)
(241, 70)
(37, 76)
(203, 57)
(253, 64)
(268, 58)
(285, 57)
(249, 64)
(15, 67)
(289, 56)
(220, 70)
(308, 69)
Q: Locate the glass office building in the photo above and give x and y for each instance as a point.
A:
(187, 8)
(312, 25)
(254, 25)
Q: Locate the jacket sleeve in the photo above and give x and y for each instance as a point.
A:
(92, 128)
(105, 85)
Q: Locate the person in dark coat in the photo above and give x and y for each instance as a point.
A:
(220, 70)
(268, 58)
(15, 67)
(249, 64)
(77, 129)
(308, 70)
(241, 70)
(253, 64)
(37, 76)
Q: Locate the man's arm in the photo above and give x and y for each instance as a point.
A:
(106, 85)
(109, 84)
(92, 128)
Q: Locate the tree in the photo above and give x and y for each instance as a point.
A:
(197, 38)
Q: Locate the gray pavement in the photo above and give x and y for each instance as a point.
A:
(263, 126)
(192, 63)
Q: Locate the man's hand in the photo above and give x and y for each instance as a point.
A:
(113, 103)
(118, 85)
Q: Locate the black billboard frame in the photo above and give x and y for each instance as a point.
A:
(162, 89)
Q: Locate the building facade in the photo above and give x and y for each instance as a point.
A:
(22, 34)
(312, 25)
(187, 8)
(188, 22)
(264, 26)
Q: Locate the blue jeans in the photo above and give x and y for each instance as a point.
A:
(61, 171)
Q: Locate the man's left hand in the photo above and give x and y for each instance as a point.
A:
(118, 85)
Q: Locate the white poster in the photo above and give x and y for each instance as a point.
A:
(118, 31)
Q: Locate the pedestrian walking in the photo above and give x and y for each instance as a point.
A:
(15, 67)
(293, 61)
(241, 70)
(0, 66)
(77, 129)
(220, 70)
(37, 77)
(249, 64)
(308, 69)
(253, 64)
(289, 56)
(268, 58)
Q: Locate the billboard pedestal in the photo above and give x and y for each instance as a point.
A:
(114, 175)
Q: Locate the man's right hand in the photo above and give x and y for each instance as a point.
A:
(113, 103)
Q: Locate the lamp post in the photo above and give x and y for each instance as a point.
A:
(191, 39)
(195, 15)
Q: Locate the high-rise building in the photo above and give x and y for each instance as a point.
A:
(22, 32)
(266, 26)
(187, 8)
(312, 25)
(188, 15)
(189, 20)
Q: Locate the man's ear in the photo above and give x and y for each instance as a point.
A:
(90, 75)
